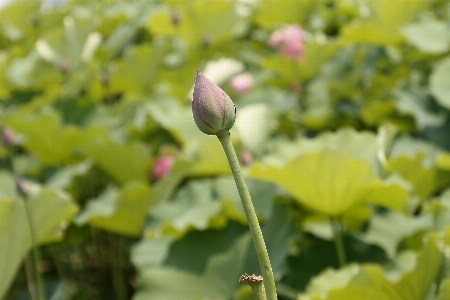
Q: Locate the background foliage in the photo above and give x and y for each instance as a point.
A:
(357, 130)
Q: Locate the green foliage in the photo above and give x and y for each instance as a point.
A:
(355, 128)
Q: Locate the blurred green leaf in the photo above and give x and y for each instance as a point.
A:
(137, 71)
(51, 210)
(194, 207)
(439, 82)
(426, 179)
(270, 13)
(254, 124)
(370, 282)
(198, 20)
(122, 162)
(53, 143)
(211, 273)
(119, 210)
(430, 36)
(380, 230)
(176, 118)
(209, 158)
(382, 25)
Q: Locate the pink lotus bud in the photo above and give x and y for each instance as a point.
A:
(207, 40)
(8, 137)
(242, 83)
(246, 158)
(290, 41)
(21, 187)
(176, 17)
(295, 86)
(64, 66)
(213, 110)
(162, 166)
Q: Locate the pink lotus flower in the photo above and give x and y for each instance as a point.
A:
(242, 83)
(162, 166)
(290, 41)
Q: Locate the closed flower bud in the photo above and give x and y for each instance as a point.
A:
(8, 137)
(162, 166)
(241, 83)
(213, 110)
(21, 187)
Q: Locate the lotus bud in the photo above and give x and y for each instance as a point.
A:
(242, 83)
(176, 17)
(162, 166)
(21, 187)
(246, 158)
(9, 138)
(213, 110)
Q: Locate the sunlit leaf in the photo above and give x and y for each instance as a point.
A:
(330, 182)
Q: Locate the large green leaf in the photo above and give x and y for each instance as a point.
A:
(121, 211)
(330, 182)
(50, 209)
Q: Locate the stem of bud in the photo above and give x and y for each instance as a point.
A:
(255, 230)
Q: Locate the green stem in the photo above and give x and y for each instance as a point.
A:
(255, 230)
(336, 225)
(116, 267)
(36, 256)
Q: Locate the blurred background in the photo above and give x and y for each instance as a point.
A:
(342, 130)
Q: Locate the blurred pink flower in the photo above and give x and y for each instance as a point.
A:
(246, 158)
(242, 83)
(162, 166)
(8, 137)
(289, 40)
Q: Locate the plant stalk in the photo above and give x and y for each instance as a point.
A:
(36, 256)
(336, 225)
(255, 230)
